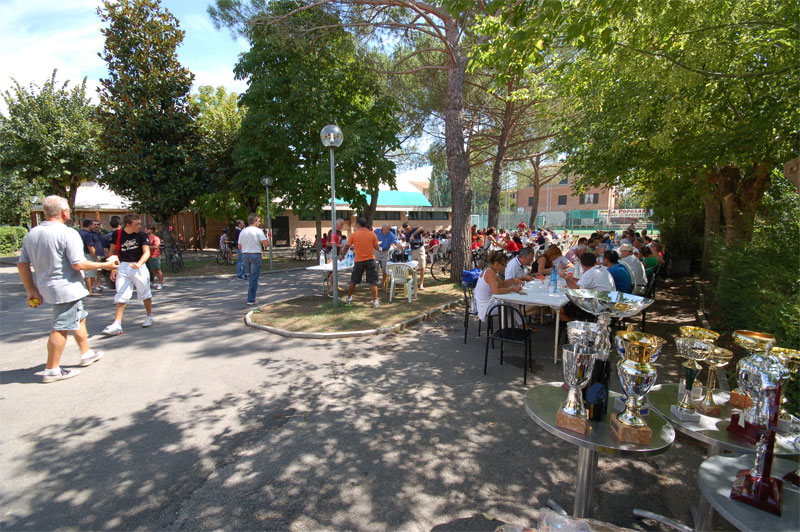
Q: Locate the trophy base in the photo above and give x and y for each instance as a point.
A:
(619, 406)
(579, 424)
(740, 400)
(714, 410)
(682, 415)
(747, 431)
(627, 434)
(784, 425)
(792, 478)
(764, 494)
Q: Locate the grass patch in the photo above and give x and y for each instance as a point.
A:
(205, 264)
(317, 313)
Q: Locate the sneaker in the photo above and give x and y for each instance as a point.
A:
(64, 375)
(159, 286)
(91, 359)
(148, 321)
(376, 303)
(348, 300)
(115, 329)
(251, 303)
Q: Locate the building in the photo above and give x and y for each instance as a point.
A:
(558, 204)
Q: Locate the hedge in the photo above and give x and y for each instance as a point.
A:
(11, 239)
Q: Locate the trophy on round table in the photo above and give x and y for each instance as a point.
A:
(578, 361)
(751, 423)
(693, 350)
(637, 375)
(699, 333)
(583, 333)
(754, 343)
(790, 358)
(719, 358)
(755, 486)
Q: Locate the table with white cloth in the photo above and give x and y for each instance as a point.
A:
(539, 293)
(414, 265)
(327, 269)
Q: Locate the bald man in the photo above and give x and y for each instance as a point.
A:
(386, 240)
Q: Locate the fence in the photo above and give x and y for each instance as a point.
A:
(574, 220)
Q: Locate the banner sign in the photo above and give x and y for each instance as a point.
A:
(629, 213)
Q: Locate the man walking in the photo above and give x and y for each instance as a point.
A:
(133, 247)
(252, 241)
(365, 244)
(56, 252)
(237, 230)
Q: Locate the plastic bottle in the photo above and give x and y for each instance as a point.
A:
(322, 258)
(578, 269)
(554, 280)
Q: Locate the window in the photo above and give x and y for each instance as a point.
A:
(562, 200)
(564, 181)
(588, 199)
(530, 201)
(386, 215)
(428, 215)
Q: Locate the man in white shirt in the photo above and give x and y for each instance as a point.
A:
(252, 241)
(56, 252)
(595, 277)
(515, 269)
(636, 268)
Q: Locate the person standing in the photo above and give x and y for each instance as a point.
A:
(90, 254)
(56, 252)
(154, 262)
(417, 246)
(386, 239)
(365, 244)
(252, 241)
(237, 230)
(133, 247)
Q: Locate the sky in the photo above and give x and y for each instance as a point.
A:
(39, 36)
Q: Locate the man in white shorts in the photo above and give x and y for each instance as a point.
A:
(132, 245)
(56, 252)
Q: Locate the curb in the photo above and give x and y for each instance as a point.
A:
(349, 334)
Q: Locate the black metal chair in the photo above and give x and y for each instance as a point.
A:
(469, 309)
(650, 291)
(510, 329)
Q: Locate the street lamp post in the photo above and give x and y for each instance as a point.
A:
(332, 138)
(267, 181)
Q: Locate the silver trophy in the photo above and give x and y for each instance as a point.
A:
(578, 365)
(636, 372)
(583, 333)
(693, 350)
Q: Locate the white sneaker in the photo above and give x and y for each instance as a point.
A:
(148, 321)
(115, 329)
(159, 286)
(376, 303)
(63, 375)
(348, 300)
(92, 358)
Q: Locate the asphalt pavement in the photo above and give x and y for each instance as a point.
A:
(201, 423)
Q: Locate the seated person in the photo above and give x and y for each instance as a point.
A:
(635, 266)
(622, 278)
(548, 261)
(574, 253)
(477, 243)
(489, 283)
(594, 277)
(517, 267)
(649, 260)
(514, 245)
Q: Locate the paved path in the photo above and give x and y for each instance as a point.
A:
(201, 423)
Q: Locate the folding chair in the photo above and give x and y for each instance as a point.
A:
(510, 329)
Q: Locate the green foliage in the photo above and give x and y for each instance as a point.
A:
(11, 239)
(149, 138)
(48, 140)
(299, 82)
(759, 282)
(15, 198)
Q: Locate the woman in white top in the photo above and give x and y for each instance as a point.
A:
(489, 283)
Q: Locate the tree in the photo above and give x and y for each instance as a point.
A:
(48, 139)
(297, 86)
(15, 199)
(149, 139)
(219, 119)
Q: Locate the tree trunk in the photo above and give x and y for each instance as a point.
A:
(369, 214)
(497, 168)
(535, 207)
(739, 205)
(457, 165)
(711, 229)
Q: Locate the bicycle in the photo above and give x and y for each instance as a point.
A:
(440, 266)
(224, 257)
(174, 258)
(303, 249)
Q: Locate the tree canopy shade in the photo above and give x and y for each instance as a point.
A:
(298, 84)
(48, 139)
(149, 139)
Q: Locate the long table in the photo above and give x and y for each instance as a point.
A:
(538, 293)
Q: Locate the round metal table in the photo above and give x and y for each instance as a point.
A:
(542, 403)
(715, 478)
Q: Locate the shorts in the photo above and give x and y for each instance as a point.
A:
(68, 316)
(89, 274)
(420, 255)
(154, 263)
(382, 257)
(128, 278)
(368, 266)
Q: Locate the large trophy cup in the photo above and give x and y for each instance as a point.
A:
(751, 423)
(637, 375)
(754, 342)
(756, 486)
(719, 358)
(595, 393)
(578, 361)
(693, 350)
(790, 358)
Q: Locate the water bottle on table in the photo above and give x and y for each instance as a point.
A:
(554, 280)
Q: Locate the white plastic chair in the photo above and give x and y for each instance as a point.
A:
(401, 275)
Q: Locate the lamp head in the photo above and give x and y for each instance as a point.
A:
(331, 136)
(266, 181)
